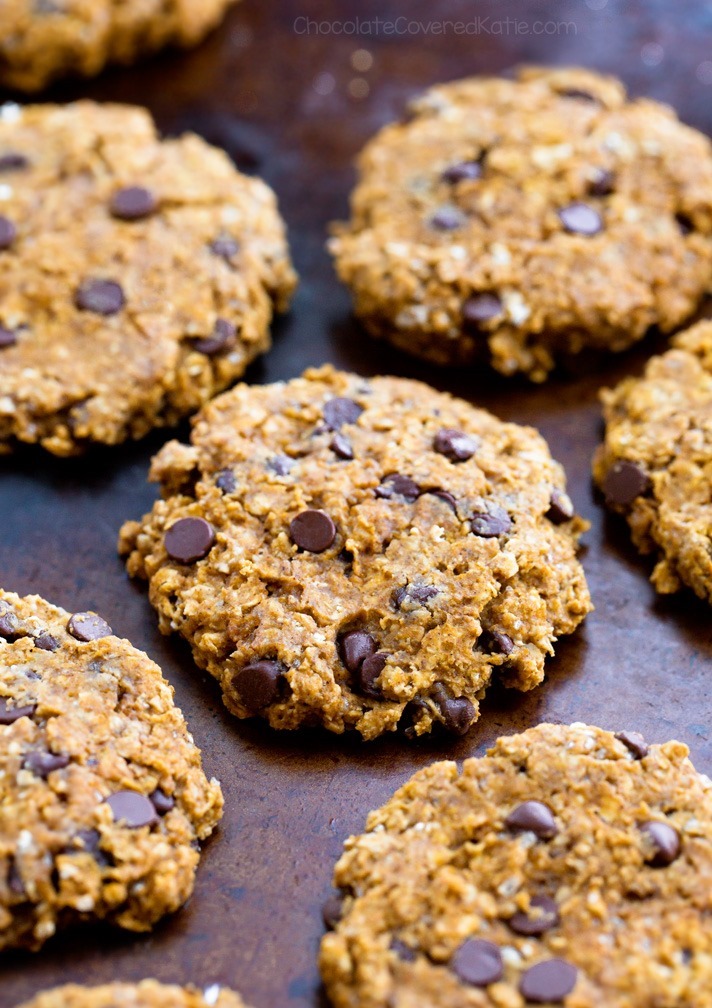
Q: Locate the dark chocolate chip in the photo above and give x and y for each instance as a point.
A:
(340, 411)
(258, 684)
(14, 879)
(458, 713)
(46, 642)
(189, 540)
(90, 840)
(225, 481)
(12, 161)
(548, 981)
(8, 623)
(103, 297)
(447, 219)
(222, 338)
(624, 482)
(685, 224)
(225, 247)
(496, 642)
(560, 507)
(332, 910)
(281, 464)
(443, 495)
(162, 802)
(580, 218)
(478, 962)
(397, 485)
(602, 182)
(634, 742)
(491, 523)
(132, 809)
(133, 203)
(341, 446)
(368, 673)
(664, 842)
(415, 594)
(313, 531)
(481, 308)
(355, 647)
(404, 952)
(87, 626)
(8, 233)
(543, 915)
(455, 445)
(462, 171)
(42, 764)
(9, 715)
(8, 337)
(579, 94)
(532, 817)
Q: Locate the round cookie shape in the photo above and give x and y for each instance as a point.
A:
(141, 277)
(443, 903)
(40, 42)
(520, 222)
(376, 590)
(105, 799)
(146, 994)
(653, 466)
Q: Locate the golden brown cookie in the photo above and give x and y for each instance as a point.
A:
(655, 463)
(138, 276)
(522, 221)
(360, 553)
(104, 800)
(146, 994)
(568, 866)
(41, 40)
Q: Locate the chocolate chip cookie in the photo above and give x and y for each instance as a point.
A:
(654, 465)
(522, 221)
(138, 276)
(568, 866)
(359, 553)
(147, 994)
(41, 40)
(104, 798)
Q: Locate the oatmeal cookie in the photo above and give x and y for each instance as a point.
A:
(146, 994)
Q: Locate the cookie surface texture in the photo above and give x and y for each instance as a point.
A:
(146, 994)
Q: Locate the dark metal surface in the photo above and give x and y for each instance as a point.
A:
(254, 88)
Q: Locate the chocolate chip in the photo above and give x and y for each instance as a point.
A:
(443, 495)
(355, 647)
(580, 218)
(258, 684)
(560, 507)
(132, 809)
(415, 594)
(90, 840)
(634, 742)
(548, 981)
(664, 842)
(602, 182)
(404, 952)
(496, 642)
(340, 411)
(368, 673)
(8, 623)
(458, 713)
(462, 171)
(491, 523)
(189, 540)
(8, 233)
(447, 219)
(12, 161)
(103, 297)
(87, 626)
(397, 485)
(46, 642)
(9, 715)
(313, 531)
(478, 962)
(455, 445)
(624, 482)
(162, 802)
(14, 879)
(532, 817)
(685, 224)
(133, 203)
(332, 910)
(225, 481)
(8, 337)
(341, 446)
(224, 246)
(223, 338)
(42, 764)
(280, 464)
(481, 308)
(543, 915)
(578, 93)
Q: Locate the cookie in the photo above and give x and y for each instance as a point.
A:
(567, 866)
(146, 994)
(360, 553)
(519, 222)
(654, 465)
(40, 42)
(138, 277)
(104, 797)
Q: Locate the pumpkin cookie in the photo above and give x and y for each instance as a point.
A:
(360, 553)
(146, 994)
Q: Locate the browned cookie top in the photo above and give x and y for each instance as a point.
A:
(568, 866)
(360, 553)
(146, 994)
(104, 798)
(138, 276)
(518, 221)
